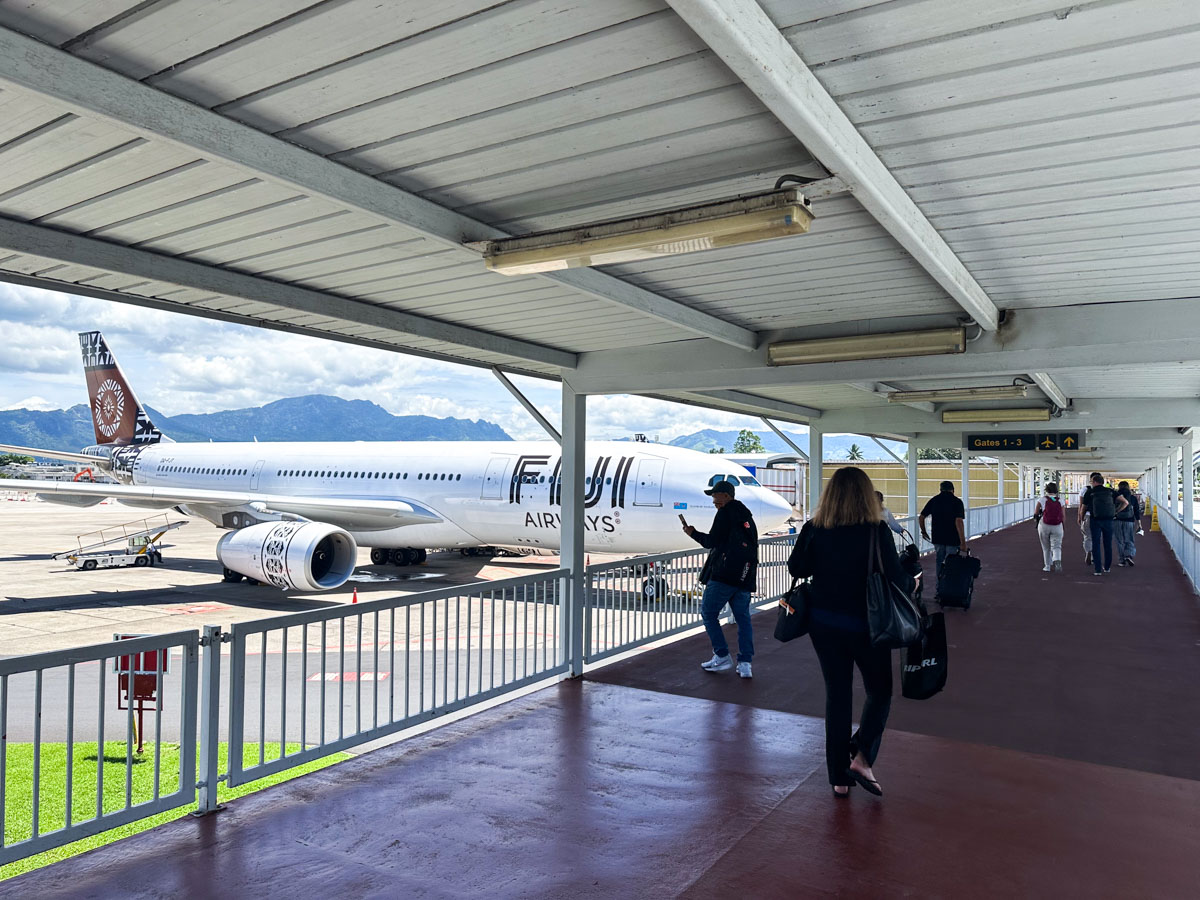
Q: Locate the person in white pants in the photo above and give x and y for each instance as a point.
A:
(1049, 515)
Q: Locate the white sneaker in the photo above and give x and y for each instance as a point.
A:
(1045, 568)
(744, 670)
(718, 664)
(1058, 565)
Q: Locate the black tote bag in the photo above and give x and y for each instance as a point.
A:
(793, 623)
(923, 665)
(893, 619)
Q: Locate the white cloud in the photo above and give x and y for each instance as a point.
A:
(185, 364)
(34, 403)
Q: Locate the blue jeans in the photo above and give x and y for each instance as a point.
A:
(716, 595)
(1102, 528)
(943, 550)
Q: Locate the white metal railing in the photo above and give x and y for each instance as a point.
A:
(636, 601)
(303, 686)
(46, 701)
(986, 519)
(326, 680)
(1185, 544)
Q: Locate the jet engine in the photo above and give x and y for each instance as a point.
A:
(304, 556)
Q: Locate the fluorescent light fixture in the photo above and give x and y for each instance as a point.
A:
(868, 346)
(1032, 414)
(758, 217)
(996, 392)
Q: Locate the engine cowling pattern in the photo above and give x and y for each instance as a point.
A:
(306, 556)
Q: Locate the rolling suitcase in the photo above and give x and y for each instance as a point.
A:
(959, 572)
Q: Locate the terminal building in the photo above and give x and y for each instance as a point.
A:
(950, 224)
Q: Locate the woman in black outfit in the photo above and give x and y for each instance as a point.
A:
(834, 549)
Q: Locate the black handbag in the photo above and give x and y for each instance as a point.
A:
(792, 621)
(923, 665)
(893, 619)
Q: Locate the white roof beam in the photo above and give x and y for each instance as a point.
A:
(529, 407)
(1050, 389)
(742, 35)
(1083, 415)
(84, 251)
(785, 438)
(1159, 330)
(93, 91)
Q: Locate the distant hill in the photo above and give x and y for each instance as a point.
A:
(835, 445)
(316, 417)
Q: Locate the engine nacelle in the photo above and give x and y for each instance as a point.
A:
(305, 556)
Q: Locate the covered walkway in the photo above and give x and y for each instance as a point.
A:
(1059, 760)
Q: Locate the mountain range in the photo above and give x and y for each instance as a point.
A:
(316, 417)
(319, 417)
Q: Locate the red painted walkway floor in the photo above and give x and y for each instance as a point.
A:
(663, 784)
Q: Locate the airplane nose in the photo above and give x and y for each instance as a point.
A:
(773, 509)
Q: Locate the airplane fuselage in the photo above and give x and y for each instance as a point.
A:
(505, 493)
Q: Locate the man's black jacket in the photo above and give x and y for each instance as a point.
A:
(733, 547)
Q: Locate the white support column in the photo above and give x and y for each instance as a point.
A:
(966, 489)
(1000, 482)
(1021, 485)
(1189, 478)
(816, 453)
(574, 435)
(914, 470)
(1171, 489)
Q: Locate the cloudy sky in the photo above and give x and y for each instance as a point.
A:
(183, 364)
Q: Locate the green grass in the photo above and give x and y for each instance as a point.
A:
(18, 801)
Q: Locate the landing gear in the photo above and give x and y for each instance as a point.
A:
(379, 556)
(654, 590)
(403, 556)
(231, 577)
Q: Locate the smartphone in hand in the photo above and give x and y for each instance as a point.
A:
(683, 520)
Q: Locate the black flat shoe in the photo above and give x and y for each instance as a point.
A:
(867, 784)
(842, 796)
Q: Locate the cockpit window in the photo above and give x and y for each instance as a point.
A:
(749, 479)
(717, 478)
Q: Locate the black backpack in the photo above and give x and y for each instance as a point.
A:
(1103, 504)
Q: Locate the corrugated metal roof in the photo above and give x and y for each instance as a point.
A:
(1051, 147)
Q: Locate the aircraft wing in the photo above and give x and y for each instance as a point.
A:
(55, 454)
(346, 512)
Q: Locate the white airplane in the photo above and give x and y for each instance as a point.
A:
(297, 512)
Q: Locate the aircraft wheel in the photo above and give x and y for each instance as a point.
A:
(379, 555)
(399, 557)
(141, 560)
(89, 565)
(654, 590)
(231, 577)
(422, 555)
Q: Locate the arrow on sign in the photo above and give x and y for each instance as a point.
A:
(1069, 441)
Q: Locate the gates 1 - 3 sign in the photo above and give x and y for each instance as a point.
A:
(1007, 443)
(994, 443)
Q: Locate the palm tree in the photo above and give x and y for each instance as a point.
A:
(855, 452)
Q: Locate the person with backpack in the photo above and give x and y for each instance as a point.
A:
(1127, 522)
(1049, 516)
(1103, 504)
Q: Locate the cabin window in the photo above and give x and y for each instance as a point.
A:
(458, 477)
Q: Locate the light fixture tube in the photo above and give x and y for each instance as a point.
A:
(995, 392)
(1031, 414)
(868, 346)
(710, 226)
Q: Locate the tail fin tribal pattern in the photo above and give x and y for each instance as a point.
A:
(117, 415)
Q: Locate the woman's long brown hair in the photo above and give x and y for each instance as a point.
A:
(849, 499)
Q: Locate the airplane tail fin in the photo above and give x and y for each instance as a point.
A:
(118, 417)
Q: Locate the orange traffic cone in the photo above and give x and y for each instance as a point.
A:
(354, 599)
